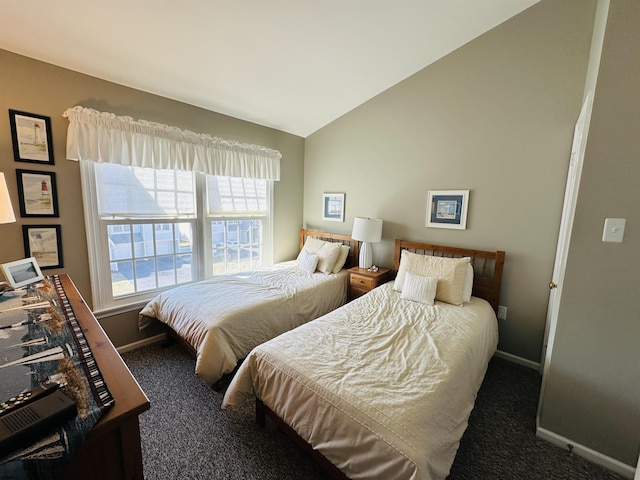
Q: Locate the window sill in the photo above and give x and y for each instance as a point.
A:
(113, 311)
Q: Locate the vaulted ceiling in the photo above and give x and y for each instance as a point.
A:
(294, 65)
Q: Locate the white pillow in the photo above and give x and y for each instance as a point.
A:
(307, 262)
(451, 274)
(327, 253)
(468, 284)
(342, 258)
(419, 289)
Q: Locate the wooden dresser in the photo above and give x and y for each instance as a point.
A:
(112, 449)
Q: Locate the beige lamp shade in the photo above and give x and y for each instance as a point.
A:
(6, 210)
(366, 230)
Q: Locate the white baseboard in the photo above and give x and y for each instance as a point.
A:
(142, 343)
(612, 464)
(518, 360)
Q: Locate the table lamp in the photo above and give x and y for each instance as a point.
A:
(6, 210)
(366, 230)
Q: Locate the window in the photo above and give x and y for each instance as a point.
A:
(236, 207)
(149, 229)
(148, 256)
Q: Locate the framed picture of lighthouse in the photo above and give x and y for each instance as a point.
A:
(31, 136)
(37, 193)
(44, 243)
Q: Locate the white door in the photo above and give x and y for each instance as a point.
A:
(566, 224)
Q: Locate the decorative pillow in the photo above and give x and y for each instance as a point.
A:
(342, 258)
(451, 274)
(468, 284)
(307, 262)
(419, 289)
(327, 253)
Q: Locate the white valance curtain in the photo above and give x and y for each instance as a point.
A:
(105, 137)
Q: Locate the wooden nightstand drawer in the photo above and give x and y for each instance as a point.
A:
(362, 281)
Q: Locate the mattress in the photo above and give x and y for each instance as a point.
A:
(223, 318)
(382, 387)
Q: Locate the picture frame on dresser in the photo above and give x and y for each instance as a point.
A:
(44, 243)
(37, 193)
(32, 139)
(22, 272)
(447, 209)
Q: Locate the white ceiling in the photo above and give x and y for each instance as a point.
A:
(294, 65)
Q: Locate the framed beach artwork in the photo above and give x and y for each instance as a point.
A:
(44, 243)
(333, 207)
(37, 193)
(31, 135)
(447, 209)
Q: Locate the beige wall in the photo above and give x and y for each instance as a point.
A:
(36, 87)
(495, 117)
(592, 392)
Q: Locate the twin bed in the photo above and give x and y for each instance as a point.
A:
(383, 387)
(221, 319)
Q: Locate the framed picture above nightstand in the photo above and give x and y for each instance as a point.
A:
(363, 280)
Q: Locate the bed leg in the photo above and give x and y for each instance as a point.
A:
(168, 341)
(260, 414)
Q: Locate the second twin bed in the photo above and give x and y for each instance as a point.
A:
(383, 387)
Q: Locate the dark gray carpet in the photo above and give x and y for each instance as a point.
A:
(186, 435)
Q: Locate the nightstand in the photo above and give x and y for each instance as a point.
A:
(362, 280)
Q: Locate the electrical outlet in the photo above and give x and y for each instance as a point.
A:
(502, 312)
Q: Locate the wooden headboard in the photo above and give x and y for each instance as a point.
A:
(354, 245)
(487, 266)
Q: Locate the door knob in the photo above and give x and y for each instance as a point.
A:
(552, 285)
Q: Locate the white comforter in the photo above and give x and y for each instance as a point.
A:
(382, 387)
(225, 317)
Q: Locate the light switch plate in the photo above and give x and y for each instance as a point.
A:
(613, 230)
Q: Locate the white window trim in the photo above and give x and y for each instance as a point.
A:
(95, 241)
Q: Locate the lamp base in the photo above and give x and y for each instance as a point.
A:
(366, 256)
